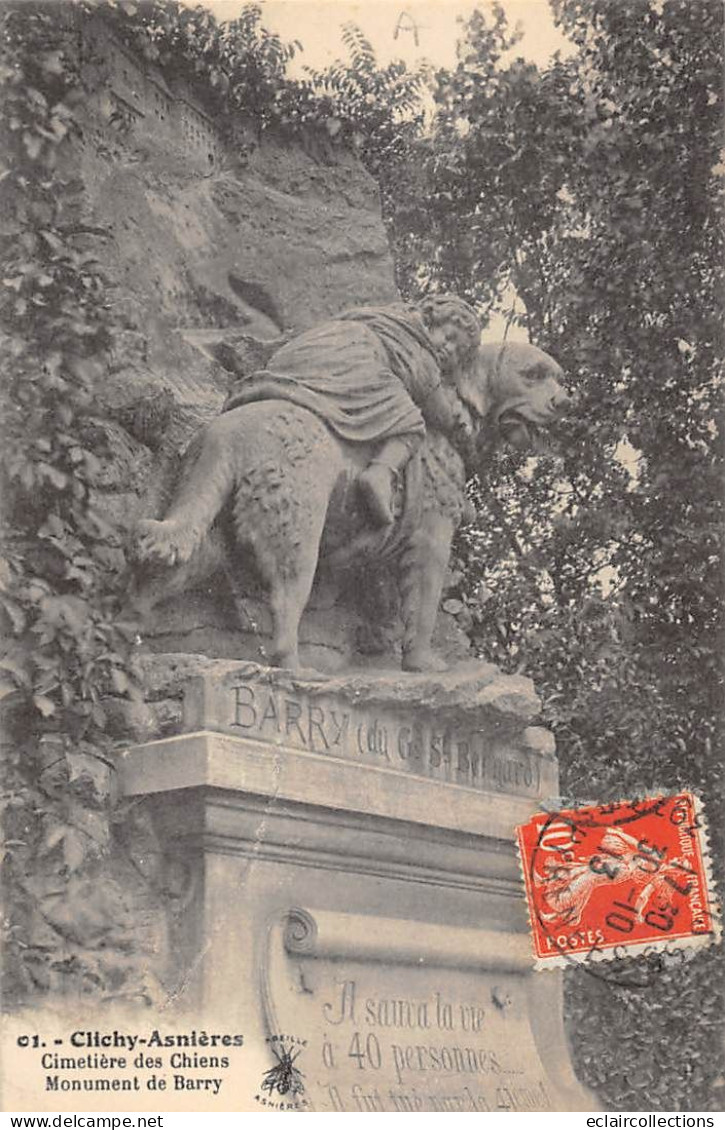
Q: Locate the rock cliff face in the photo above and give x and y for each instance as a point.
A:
(265, 250)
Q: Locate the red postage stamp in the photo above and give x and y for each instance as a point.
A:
(607, 880)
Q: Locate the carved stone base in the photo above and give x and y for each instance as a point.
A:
(368, 903)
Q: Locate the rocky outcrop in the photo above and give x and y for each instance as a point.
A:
(257, 252)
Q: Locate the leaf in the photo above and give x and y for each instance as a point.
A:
(53, 837)
(87, 766)
(59, 479)
(19, 673)
(15, 613)
(52, 63)
(119, 680)
(74, 849)
(37, 97)
(45, 705)
(98, 715)
(54, 242)
(33, 145)
(453, 606)
(37, 590)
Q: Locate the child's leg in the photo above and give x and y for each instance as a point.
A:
(376, 481)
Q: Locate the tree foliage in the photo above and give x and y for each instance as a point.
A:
(238, 67)
(589, 190)
(67, 651)
(375, 109)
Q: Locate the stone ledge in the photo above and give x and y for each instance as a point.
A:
(470, 725)
(208, 760)
(470, 686)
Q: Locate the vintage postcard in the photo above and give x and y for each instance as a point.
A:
(360, 582)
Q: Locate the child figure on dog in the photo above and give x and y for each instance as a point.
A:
(377, 375)
(374, 375)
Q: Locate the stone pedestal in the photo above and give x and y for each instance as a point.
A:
(354, 886)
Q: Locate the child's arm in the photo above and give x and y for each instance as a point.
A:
(428, 392)
(443, 410)
(440, 404)
(439, 408)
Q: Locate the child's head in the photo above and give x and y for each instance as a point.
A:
(454, 329)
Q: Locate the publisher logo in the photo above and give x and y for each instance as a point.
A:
(283, 1084)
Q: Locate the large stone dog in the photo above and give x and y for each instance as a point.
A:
(282, 488)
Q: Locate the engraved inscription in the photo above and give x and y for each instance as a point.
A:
(435, 1052)
(426, 747)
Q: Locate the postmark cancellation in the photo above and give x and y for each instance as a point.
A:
(618, 879)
